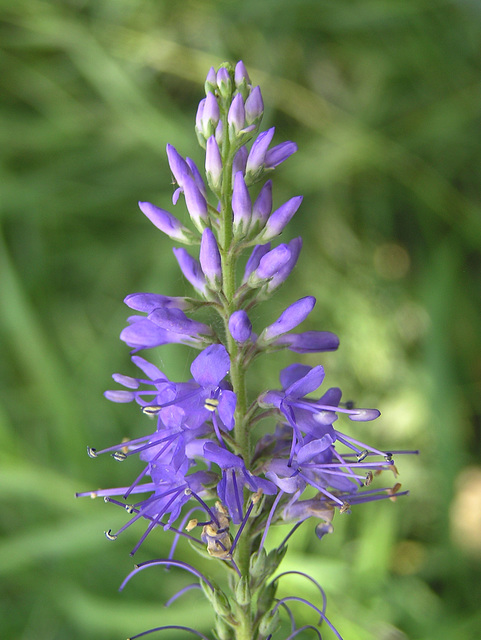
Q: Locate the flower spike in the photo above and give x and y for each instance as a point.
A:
(207, 473)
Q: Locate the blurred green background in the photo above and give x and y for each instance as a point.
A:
(384, 101)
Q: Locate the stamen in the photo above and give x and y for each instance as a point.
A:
(196, 585)
(169, 626)
(119, 456)
(152, 410)
(174, 563)
(323, 617)
(345, 507)
(393, 491)
(269, 518)
(361, 456)
(211, 404)
(293, 530)
(243, 524)
(368, 479)
(109, 535)
(191, 524)
(91, 452)
(208, 509)
(255, 497)
(236, 493)
(305, 575)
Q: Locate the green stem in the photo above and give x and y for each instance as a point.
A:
(244, 630)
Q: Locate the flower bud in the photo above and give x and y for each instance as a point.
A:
(269, 623)
(254, 107)
(258, 565)
(224, 83)
(210, 260)
(213, 164)
(236, 116)
(241, 205)
(241, 77)
(240, 326)
(266, 597)
(167, 223)
(220, 603)
(243, 592)
(222, 629)
(210, 81)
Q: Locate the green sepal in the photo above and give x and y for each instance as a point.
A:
(258, 564)
(243, 592)
(275, 558)
(269, 623)
(220, 603)
(222, 630)
(266, 597)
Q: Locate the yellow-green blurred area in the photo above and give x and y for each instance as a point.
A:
(384, 100)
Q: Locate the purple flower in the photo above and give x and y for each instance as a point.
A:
(196, 203)
(270, 264)
(240, 326)
(308, 341)
(289, 319)
(254, 106)
(241, 205)
(236, 116)
(147, 302)
(213, 164)
(234, 477)
(210, 260)
(167, 223)
(240, 74)
(143, 333)
(191, 269)
(280, 218)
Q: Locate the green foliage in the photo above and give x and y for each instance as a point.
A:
(383, 99)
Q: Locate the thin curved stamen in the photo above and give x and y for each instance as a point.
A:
(155, 522)
(93, 453)
(130, 509)
(119, 491)
(323, 617)
(289, 613)
(207, 508)
(170, 438)
(180, 532)
(322, 489)
(269, 518)
(217, 430)
(289, 414)
(195, 585)
(362, 497)
(338, 456)
(293, 530)
(169, 626)
(174, 563)
(351, 442)
(147, 468)
(242, 525)
(306, 626)
(305, 575)
(236, 493)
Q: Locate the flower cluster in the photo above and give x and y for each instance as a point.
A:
(199, 455)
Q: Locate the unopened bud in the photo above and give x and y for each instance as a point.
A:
(243, 592)
(269, 623)
(220, 603)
